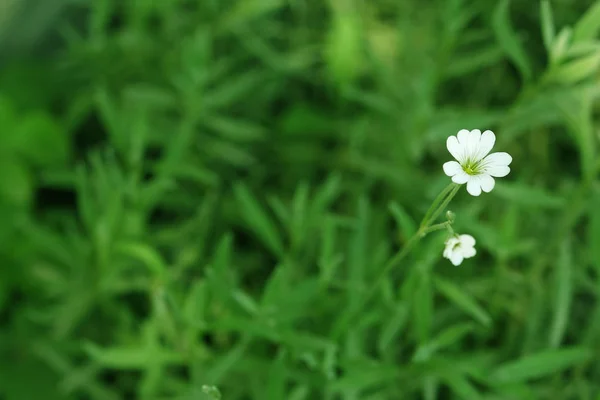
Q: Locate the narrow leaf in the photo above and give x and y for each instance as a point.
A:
(423, 307)
(393, 327)
(577, 70)
(463, 300)
(257, 219)
(562, 296)
(528, 196)
(509, 40)
(540, 365)
(588, 26)
(594, 231)
(561, 45)
(548, 30)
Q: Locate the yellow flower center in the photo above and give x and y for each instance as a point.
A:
(471, 167)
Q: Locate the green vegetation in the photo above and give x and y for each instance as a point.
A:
(197, 195)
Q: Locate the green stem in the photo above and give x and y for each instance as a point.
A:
(439, 204)
(436, 227)
(440, 197)
(453, 190)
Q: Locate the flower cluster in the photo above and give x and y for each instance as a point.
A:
(476, 168)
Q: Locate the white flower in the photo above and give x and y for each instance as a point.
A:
(475, 167)
(459, 247)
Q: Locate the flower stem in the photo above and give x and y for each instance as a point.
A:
(449, 192)
(438, 205)
(436, 227)
(434, 206)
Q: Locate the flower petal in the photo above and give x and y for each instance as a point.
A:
(487, 141)
(467, 240)
(501, 158)
(474, 186)
(456, 258)
(498, 171)
(463, 136)
(455, 148)
(452, 241)
(452, 168)
(496, 164)
(461, 177)
(487, 182)
(469, 252)
(447, 252)
(473, 144)
(463, 140)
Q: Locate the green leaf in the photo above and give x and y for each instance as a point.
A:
(149, 96)
(540, 365)
(216, 371)
(358, 253)
(303, 120)
(528, 196)
(131, 358)
(393, 327)
(212, 392)
(257, 219)
(16, 182)
(146, 255)
(237, 130)
(452, 120)
(588, 26)
(548, 30)
(576, 108)
(475, 61)
(561, 45)
(444, 339)
(4, 290)
(246, 302)
(195, 304)
(300, 392)
(423, 306)
(8, 119)
(562, 296)
(577, 70)
(509, 40)
(276, 384)
(329, 259)
(74, 376)
(594, 230)
(298, 223)
(244, 12)
(277, 288)
(235, 88)
(362, 378)
(463, 301)
(225, 150)
(460, 385)
(327, 194)
(28, 378)
(579, 50)
(219, 275)
(307, 342)
(111, 118)
(343, 52)
(407, 225)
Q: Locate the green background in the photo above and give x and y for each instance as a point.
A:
(200, 192)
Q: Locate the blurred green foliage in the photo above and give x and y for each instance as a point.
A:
(194, 195)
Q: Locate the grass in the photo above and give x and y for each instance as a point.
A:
(197, 196)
